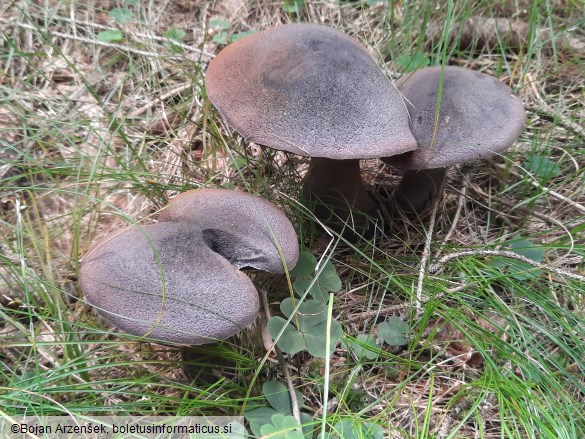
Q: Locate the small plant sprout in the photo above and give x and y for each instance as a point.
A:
(178, 280)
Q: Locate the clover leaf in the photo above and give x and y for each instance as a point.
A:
(282, 427)
(520, 270)
(293, 6)
(319, 284)
(120, 15)
(307, 329)
(393, 331)
(542, 166)
(305, 265)
(412, 62)
(110, 36)
(278, 397)
(355, 429)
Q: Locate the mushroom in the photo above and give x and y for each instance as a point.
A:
(477, 117)
(178, 280)
(312, 90)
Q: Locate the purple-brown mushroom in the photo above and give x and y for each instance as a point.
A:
(457, 116)
(314, 91)
(178, 280)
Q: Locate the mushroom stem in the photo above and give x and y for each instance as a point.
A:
(341, 199)
(417, 189)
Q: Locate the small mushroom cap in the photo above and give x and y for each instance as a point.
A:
(241, 227)
(203, 298)
(310, 90)
(478, 117)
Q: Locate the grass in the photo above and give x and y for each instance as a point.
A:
(96, 135)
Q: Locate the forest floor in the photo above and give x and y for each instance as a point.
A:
(104, 118)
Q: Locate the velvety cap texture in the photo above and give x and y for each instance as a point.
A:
(178, 280)
(310, 90)
(478, 117)
(247, 230)
(163, 282)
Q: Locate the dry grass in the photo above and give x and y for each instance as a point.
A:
(97, 135)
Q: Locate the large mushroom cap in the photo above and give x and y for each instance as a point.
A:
(478, 117)
(310, 90)
(178, 280)
(164, 282)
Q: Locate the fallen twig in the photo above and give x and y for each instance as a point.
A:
(427, 249)
(435, 268)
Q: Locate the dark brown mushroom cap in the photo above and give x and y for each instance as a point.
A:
(310, 90)
(178, 280)
(242, 227)
(478, 117)
(203, 298)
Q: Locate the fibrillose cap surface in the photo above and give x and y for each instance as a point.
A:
(178, 280)
(162, 281)
(478, 117)
(310, 90)
(248, 230)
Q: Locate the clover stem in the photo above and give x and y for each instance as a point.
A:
(285, 367)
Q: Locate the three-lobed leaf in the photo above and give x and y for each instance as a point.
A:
(520, 270)
(291, 341)
(305, 265)
(393, 331)
(316, 339)
(307, 329)
(318, 284)
(278, 396)
(240, 35)
(120, 15)
(174, 34)
(528, 249)
(282, 427)
(293, 6)
(542, 166)
(412, 62)
(356, 429)
(219, 23)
